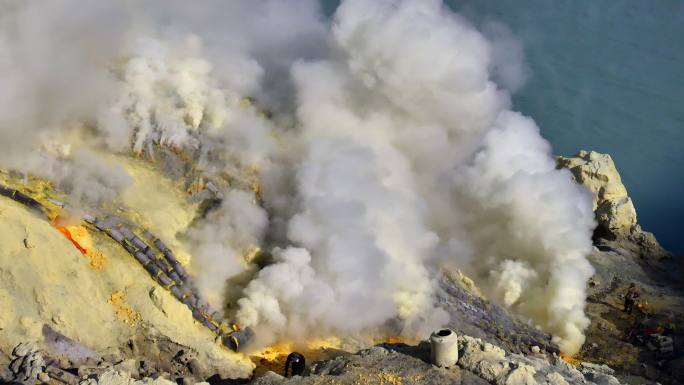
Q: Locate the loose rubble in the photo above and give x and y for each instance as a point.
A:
(479, 363)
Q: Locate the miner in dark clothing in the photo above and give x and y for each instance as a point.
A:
(631, 297)
(297, 361)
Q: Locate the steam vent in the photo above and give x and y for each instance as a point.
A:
(307, 192)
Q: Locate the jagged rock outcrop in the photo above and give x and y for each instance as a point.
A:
(30, 365)
(27, 364)
(614, 210)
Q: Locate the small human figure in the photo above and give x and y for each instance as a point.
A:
(297, 362)
(630, 297)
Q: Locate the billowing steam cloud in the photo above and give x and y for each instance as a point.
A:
(227, 232)
(389, 151)
(530, 227)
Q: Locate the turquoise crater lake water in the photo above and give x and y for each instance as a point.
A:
(606, 76)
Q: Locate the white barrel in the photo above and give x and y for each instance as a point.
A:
(444, 348)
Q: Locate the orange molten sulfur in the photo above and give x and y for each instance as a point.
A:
(570, 359)
(80, 237)
(76, 236)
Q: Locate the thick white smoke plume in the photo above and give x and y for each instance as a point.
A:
(384, 148)
(220, 240)
(529, 227)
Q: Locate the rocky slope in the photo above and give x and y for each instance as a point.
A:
(70, 317)
(626, 254)
(479, 363)
(89, 311)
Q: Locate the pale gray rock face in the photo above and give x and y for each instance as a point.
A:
(614, 210)
(494, 365)
(484, 359)
(598, 173)
(522, 375)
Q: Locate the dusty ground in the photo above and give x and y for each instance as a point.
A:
(608, 338)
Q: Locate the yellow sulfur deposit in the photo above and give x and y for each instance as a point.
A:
(273, 357)
(80, 237)
(122, 309)
(157, 203)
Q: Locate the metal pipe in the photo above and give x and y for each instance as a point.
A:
(115, 234)
(153, 270)
(165, 250)
(164, 280)
(210, 186)
(190, 300)
(170, 256)
(101, 225)
(176, 291)
(129, 247)
(209, 325)
(128, 234)
(239, 339)
(148, 235)
(160, 245)
(142, 258)
(26, 200)
(174, 263)
(139, 242)
(174, 276)
(113, 220)
(216, 317)
(202, 306)
(56, 202)
(6, 191)
(164, 264)
(150, 253)
(197, 315)
(181, 271)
